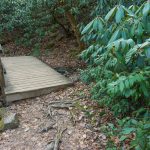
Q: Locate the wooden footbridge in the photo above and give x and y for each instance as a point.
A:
(26, 76)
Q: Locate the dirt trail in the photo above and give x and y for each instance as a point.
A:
(38, 127)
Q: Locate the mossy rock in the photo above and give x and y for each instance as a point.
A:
(2, 111)
(8, 120)
(1, 123)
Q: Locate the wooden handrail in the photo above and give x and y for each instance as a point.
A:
(2, 80)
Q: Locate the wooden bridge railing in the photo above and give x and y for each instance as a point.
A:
(2, 80)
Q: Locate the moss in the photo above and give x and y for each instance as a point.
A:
(2, 111)
(1, 123)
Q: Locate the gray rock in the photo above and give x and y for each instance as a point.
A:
(61, 70)
(65, 70)
(50, 146)
(11, 121)
(8, 120)
(75, 78)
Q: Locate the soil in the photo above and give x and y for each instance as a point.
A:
(38, 128)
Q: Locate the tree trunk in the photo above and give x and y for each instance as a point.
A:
(75, 29)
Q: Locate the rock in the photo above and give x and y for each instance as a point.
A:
(8, 120)
(1, 123)
(61, 70)
(64, 70)
(2, 111)
(11, 121)
(50, 146)
(75, 78)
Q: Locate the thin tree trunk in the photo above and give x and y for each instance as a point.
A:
(63, 26)
(75, 29)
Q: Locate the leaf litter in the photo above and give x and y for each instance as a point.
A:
(64, 120)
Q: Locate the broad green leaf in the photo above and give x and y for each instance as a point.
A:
(139, 10)
(133, 28)
(147, 126)
(115, 36)
(117, 45)
(121, 86)
(128, 130)
(124, 33)
(122, 138)
(129, 12)
(146, 9)
(148, 52)
(127, 84)
(119, 14)
(110, 14)
(87, 27)
(131, 42)
(133, 8)
(98, 24)
(140, 29)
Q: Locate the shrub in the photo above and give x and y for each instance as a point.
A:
(118, 58)
(128, 134)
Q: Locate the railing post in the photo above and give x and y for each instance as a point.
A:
(2, 80)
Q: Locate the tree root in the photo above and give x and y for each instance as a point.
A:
(62, 104)
(58, 137)
(65, 103)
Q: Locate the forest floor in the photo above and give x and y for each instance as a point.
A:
(40, 123)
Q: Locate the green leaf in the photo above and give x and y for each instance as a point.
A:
(111, 125)
(119, 14)
(87, 27)
(115, 36)
(146, 9)
(133, 27)
(98, 24)
(140, 29)
(133, 8)
(139, 10)
(148, 52)
(121, 86)
(110, 14)
(147, 126)
(127, 84)
(128, 130)
(122, 138)
(129, 12)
